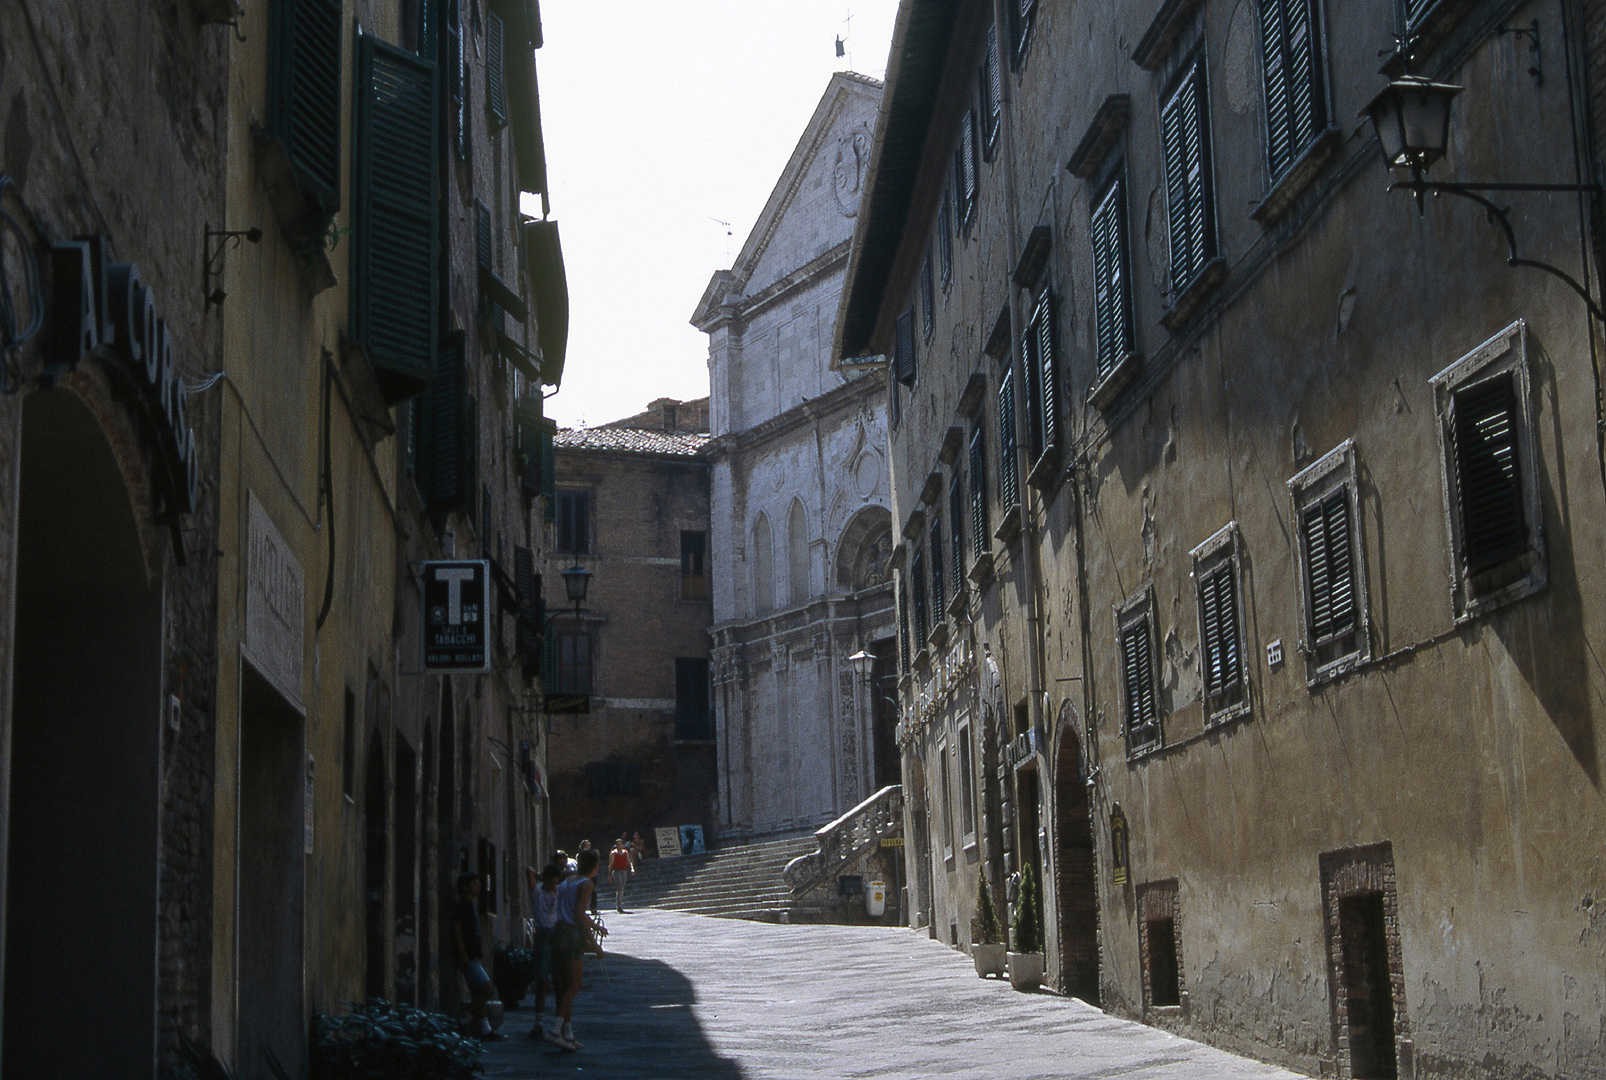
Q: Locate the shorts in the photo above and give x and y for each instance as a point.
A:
(568, 942)
(474, 974)
(543, 954)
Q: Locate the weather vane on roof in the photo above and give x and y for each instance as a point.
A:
(843, 38)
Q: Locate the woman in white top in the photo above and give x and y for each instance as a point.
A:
(573, 936)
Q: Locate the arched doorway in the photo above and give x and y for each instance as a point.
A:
(82, 875)
(1075, 885)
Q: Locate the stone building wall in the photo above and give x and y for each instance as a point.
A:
(1453, 733)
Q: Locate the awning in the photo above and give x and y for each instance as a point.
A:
(549, 287)
(522, 19)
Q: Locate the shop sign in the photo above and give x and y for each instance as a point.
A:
(1119, 849)
(102, 308)
(456, 615)
(566, 704)
(1026, 746)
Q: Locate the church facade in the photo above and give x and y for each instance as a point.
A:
(801, 530)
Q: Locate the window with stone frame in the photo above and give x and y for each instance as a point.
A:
(1490, 474)
(945, 802)
(1330, 559)
(1008, 471)
(1294, 76)
(903, 348)
(1112, 283)
(1218, 592)
(905, 656)
(1190, 197)
(990, 86)
(1023, 15)
(917, 574)
(574, 522)
(573, 662)
(1135, 637)
(967, 787)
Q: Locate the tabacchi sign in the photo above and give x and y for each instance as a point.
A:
(457, 615)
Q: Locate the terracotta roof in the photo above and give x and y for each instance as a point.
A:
(632, 440)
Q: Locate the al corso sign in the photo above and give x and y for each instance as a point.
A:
(457, 614)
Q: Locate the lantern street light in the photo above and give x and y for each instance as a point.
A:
(577, 582)
(862, 662)
(1411, 116)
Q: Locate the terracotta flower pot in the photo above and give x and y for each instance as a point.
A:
(989, 959)
(1026, 970)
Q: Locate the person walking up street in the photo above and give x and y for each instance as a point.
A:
(574, 935)
(620, 867)
(469, 949)
(544, 902)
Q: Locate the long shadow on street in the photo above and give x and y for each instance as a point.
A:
(635, 1018)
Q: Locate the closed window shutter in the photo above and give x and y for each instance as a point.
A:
(939, 594)
(917, 570)
(992, 82)
(1043, 324)
(905, 348)
(1138, 673)
(903, 623)
(304, 94)
(549, 469)
(460, 85)
(1032, 371)
(1008, 476)
(1112, 305)
(549, 664)
(894, 404)
(1296, 102)
(1330, 567)
(1183, 130)
(967, 162)
(928, 296)
(525, 581)
(980, 540)
(945, 241)
(1483, 424)
(495, 70)
(527, 421)
(1218, 616)
(443, 445)
(956, 528)
(395, 244)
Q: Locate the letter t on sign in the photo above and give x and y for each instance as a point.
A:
(454, 578)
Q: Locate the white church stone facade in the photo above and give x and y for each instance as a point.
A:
(801, 530)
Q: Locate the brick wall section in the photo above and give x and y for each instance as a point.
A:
(1158, 900)
(1357, 872)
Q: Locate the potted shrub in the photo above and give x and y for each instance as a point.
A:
(380, 1038)
(1026, 962)
(513, 970)
(987, 946)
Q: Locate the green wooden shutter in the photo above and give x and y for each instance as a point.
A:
(549, 470)
(939, 594)
(1008, 473)
(395, 241)
(1274, 69)
(1032, 371)
(442, 449)
(527, 420)
(495, 70)
(1184, 131)
(956, 528)
(304, 94)
(917, 571)
(1296, 98)
(980, 538)
(1043, 323)
(1488, 486)
(904, 348)
(903, 623)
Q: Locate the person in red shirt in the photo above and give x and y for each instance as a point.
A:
(619, 870)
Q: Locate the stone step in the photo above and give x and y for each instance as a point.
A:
(736, 880)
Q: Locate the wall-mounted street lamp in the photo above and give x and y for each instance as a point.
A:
(863, 663)
(1412, 119)
(577, 582)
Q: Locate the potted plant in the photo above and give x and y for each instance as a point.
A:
(513, 969)
(1026, 962)
(987, 947)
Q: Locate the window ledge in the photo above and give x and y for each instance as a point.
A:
(1193, 296)
(1529, 581)
(981, 571)
(938, 636)
(1297, 177)
(959, 604)
(1225, 717)
(1010, 527)
(1335, 669)
(1046, 469)
(1107, 389)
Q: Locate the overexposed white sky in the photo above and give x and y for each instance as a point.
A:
(660, 116)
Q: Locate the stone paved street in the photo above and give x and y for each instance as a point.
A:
(689, 996)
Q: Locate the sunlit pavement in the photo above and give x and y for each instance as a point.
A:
(690, 996)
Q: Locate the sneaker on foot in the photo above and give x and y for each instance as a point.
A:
(573, 1043)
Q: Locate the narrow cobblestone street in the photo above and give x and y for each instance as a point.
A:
(689, 996)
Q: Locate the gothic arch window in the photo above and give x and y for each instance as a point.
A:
(763, 566)
(797, 553)
(864, 554)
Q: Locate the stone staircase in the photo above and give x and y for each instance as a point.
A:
(740, 880)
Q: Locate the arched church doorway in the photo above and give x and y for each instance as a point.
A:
(82, 875)
(1076, 887)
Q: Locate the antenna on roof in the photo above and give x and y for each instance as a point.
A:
(844, 37)
(728, 234)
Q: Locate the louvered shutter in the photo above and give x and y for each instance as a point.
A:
(495, 71)
(967, 161)
(1483, 425)
(1329, 567)
(1043, 324)
(485, 251)
(1183, 130)
(1032, 371)
(549, 664)
(904, 346)
(527, 418)
(945, 241)
(457, 46)
(993, 82)
(928, 296)
(525, 581)
(443, 464)
(980, 538)
(1008, 475)
(903, 623)
(939, 592)
(395, 243)
(917, 570)
(549, 470)
(1104, 284)
(304, 94)
(1218, 616)
(1275, 70)
(1414, 10)
(956, 528)
(1138, 674)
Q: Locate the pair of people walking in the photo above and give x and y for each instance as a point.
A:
(565, 933)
